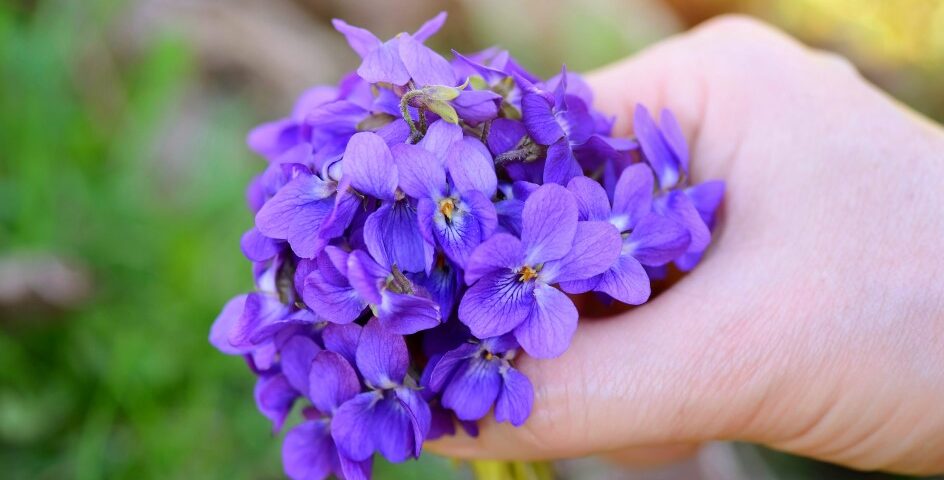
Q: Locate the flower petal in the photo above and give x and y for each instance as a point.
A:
(353, 427)
(655, 148)
(596, 246)
(365, 275)
(473, 388)
(393, 237)
(296, 357)
(561, 164)
(369, 167)
(442, 371)
(592, 202)
(361, 40)
(407, 314)
(382, 357)
(308, 452)
(225, 322)
(342, 339)
(626, 281)
(539, 119)
(258, 247)
(421, 174)
(274, 398)
(430, 27)
(471, 167)
(547, 331)
(632, 197)
(657, 240)
(420, 416)
(426, 67)
(516, 398)
(548, 224)
(332, 302)
(439, 136)
(296, 212)
(500, 252)
(496, 304)
(333, 381)
(677, 206)
(383, 64)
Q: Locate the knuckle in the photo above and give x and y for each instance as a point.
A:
(835, 62)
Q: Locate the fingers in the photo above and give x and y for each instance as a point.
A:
(651, 456)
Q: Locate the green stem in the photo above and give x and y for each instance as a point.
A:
(504, 470)
(415, 133)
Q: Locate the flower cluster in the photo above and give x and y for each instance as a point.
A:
(419, 227)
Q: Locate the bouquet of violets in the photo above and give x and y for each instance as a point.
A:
(418, 229)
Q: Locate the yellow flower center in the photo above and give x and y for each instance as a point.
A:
(527, 273)
(446, 207)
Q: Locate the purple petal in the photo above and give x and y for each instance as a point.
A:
(346, 205)
(592, 202)
(393, 237)
(596, 247)
(626, 281)
(539, 119)
(515, 399)
(547, 331)
(420, 416)
(439, 136)
(353, 427)
(548, 224)
(500, 252)
(504, 135)
(476, 106)
(382, 357)
(561, 165)
(342, 339)
(369, 167)
(678, 207)
(407, 314)
(674, 138)
(274, 398)
(471, 168)
(496, 304)
(655, 148)
(225, 323)
(430, 28)
(361, 40)
(442, 283)
(426, 67)
(383, 64)
(707, 197)
(365, 275)
(308, 452)
(442, 371)
(335, 303)
(258, 247)
(296, 212)
(353, 470)
(421, 174)
(657, 240)
(333, 381)
(632, 197)
(576, 120)
(261, 310)
(271, 139)
(473, 389)
(296, 357)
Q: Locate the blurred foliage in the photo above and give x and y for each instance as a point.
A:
(126, 385)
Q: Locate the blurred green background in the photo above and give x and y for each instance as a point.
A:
(122, 170)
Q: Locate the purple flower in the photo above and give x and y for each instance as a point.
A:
(398, 303)
(648, 238)
(456, 215)
(391, 417)
(401, 58)
(392, 232)
(309, 451)
(326, 288)
(274, 138)
(559, 121)
(666, 150)
(295, 213)
(512, 279)
(475, 376)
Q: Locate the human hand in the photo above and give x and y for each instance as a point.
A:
(815, 323)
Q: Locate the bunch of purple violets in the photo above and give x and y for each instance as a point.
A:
(419, 227)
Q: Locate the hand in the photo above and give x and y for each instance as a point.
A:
(815, 323)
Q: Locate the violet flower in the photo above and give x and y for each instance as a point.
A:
(399, 304)
(511, 279)
(648, 238)
(391, 417)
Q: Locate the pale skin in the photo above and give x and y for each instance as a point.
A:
(815, 324)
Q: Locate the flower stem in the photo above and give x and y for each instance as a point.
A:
(415, 133)
(504, 470)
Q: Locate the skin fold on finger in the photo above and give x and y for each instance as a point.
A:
(650, 456)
